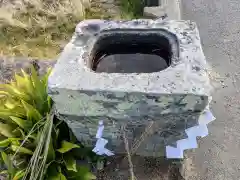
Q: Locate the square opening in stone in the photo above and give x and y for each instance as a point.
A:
(133, 52)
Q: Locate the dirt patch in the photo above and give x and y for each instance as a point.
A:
(144, 168)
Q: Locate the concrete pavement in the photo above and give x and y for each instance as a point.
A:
(218, 157)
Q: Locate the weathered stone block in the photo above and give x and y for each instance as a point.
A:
(131, 73)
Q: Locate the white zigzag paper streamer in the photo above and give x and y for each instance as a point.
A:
(200, 130)
(101, 142)
(190, 143)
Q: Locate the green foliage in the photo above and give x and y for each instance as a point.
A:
(67, 146)
(34, 144)
(132, 8)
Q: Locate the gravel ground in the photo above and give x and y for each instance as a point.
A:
(8, 66)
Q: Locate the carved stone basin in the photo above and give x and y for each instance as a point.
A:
(131, 74)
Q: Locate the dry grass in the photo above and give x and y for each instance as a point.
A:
(39, 28)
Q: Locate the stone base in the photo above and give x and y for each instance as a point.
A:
(145, 138)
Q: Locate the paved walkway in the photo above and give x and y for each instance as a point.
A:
(218, 157)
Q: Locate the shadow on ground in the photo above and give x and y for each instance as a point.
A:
(144, 169)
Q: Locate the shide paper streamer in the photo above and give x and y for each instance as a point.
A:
(101, 142)
(200, 130)
(191, 142)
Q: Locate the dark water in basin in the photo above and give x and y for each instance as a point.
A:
(131, 63)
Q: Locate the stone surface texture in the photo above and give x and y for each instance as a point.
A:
(171, 100)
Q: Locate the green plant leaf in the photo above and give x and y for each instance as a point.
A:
(29, 84)
(26, 125)
(67, 146)
(59, 176)
(18, 132)
(19, 175)
(17, 111)
(45, 77)
(5, 114)
(3, 172)
(20, 161)
(7, 161)
(14, 91)
(36, 141)
(62, 177)
(11, 89)
(20, 149)
(52, 170)
(20, 82)
(36, 169)
(89, 176)
(16, 143)
(32, 113)
(4, 143)
(6, 130)
(33, 136)
(4, 93)
(82, 173)
(70, 163)
(49, 102)
(72, 136)
(10, 103)
(51, 153)
(39, 87)
(43, 103)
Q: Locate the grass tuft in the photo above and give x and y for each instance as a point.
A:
(132, 9)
